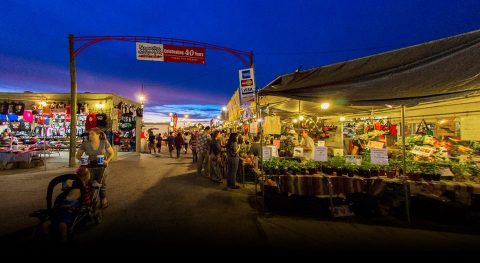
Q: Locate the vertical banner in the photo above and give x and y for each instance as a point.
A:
(175, 119)
(247, 85)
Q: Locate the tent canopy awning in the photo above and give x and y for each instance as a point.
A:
(430, 71)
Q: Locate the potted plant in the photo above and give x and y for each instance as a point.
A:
(365, 169)
(428, 171)
(337, 163)
(394, 166)
(351, 169)
(413, 171)
(311, 167)
(267, 167)
(320, 166)
(375, 170)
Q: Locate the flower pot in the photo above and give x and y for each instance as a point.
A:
(283, 171)
(414, 176)
(382, 173)
(328, 170)
(374, 173)
(267, 171)
(312, 171)
(365, 173)
(338, 171)
(391, 174)
(436, 177)
(427, 177)
(352, 172)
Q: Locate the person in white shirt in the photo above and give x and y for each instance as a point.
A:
(308, 145)
(186, 138)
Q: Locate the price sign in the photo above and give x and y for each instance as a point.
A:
(298, 152)
(355, 159)
(266, 153)
(320, 154)
(379, 156)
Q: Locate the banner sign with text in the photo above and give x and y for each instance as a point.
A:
(247, 85)
(170, 53)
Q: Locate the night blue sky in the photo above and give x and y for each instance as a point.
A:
(283, 35)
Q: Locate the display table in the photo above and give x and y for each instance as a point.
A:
(317, 185)
(17, 156)
(459, 187)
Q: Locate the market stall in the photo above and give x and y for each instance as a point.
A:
(40, 123)
(409, 114)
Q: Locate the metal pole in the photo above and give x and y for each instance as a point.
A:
(73, 102)
(405, 182)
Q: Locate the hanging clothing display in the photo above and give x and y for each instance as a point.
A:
(12, 117)
(4, 108)
(101, 120)
(46, 110)
(19, 108)
(28, 116)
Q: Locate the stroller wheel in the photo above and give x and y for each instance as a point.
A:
(98, 217)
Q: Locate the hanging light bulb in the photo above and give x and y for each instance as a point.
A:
(342, 118)
(295, 120)
(325, 105)
(301, 118)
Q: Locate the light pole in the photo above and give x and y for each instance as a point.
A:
(139, 123)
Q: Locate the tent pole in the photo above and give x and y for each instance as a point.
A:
(404, 172)
(262, 187)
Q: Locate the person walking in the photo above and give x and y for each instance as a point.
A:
(151, 142)
(96, 145)
(159, 142)
(186, 139)
(193, 146)
(215, 158)
(203, 149)
(179, 142)
(171, 144)
(233, 159)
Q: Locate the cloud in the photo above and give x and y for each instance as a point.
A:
(19, 74)
(196, 112)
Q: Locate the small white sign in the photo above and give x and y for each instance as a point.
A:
(320, 154)
(379, 156)
(148, 51)
(298, 152)
(321, 143)
(338, 152)
(274, 150)
(266, 153)
(355, 159)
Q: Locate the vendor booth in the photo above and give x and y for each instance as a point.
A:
(38, 124)
(408, 118)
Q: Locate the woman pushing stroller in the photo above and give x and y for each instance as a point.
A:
(97, 145)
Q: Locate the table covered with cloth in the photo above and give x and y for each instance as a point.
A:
(459, 187)
(17, 156)
(314, 185)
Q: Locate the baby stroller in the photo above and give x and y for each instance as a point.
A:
(81, 215)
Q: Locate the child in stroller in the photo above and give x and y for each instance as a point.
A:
(75, 204)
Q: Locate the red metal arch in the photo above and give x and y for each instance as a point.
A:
(87, 41)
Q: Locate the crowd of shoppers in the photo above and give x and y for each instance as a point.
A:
(215, 153)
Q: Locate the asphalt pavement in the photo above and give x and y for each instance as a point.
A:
(159, 203)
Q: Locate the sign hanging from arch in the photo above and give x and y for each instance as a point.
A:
(170, 53)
